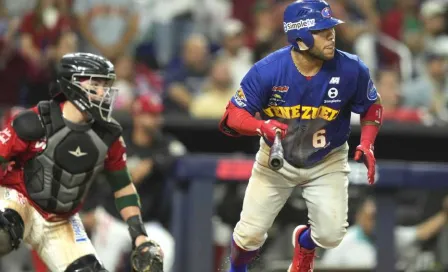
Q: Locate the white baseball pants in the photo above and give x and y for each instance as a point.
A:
(57, 243)
(325, 190)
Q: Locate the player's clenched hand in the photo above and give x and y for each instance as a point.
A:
(268, 129)
(364, 153)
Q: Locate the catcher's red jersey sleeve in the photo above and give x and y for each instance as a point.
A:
(10, 144)
(116, 156)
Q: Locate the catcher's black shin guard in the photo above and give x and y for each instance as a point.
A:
(11, 231)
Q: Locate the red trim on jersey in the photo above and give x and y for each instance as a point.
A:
(116, 156)
(241, 120)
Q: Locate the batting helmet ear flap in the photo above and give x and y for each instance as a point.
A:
(301, 45)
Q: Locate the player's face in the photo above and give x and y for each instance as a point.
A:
(97, 87)
(324, 44)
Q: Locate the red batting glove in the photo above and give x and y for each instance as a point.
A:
(268, 129)
(364, 153)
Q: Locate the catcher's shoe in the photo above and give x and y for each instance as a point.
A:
(303, 260)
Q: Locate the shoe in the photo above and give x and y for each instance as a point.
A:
(303, 260)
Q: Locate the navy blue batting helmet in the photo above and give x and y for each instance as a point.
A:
(304, 16)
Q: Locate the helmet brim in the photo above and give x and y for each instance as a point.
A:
(326, 24)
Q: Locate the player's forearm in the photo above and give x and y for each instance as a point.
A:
(242, 121)
(127, 202)
(371, 122)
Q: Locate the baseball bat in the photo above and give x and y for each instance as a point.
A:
(276, 153)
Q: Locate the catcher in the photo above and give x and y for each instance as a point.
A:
(50, 155)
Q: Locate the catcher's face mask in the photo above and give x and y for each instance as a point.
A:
(99, 93)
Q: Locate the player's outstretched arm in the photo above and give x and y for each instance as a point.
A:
(370, 124)
(237, 121)
(147, 254)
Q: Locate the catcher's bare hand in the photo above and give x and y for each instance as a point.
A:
(147, 256)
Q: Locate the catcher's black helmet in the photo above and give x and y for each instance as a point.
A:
(80, 67)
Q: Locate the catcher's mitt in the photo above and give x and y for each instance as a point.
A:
(147, 257)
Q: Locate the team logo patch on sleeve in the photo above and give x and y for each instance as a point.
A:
(371, 91)
(240, 97)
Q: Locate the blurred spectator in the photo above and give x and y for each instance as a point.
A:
(267, 35)
(184, 81)
(212, 102)
(135, 79)
(358, 250)
(173, 23)
(210, 18)
(401, 23)
(18, 8)
(389, 87)
(108, 28)
(125, 82)
(434, 21)
(430, 90)
(13, 67)
(66, 43)
(150, 157)
(40, 30)
(233, 49)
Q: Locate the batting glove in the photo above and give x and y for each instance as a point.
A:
(364, 153)
(268, 129)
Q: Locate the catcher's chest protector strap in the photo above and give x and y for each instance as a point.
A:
(51, 116)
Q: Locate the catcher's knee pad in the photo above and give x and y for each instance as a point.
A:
(11, 231)
(87, 263)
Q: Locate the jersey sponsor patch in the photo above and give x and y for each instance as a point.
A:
(79, 232)
(280, 89)
(371, 91)
(240, 97)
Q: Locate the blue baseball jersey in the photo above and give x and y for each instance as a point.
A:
(317, 109)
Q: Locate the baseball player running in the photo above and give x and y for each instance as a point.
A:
(50, 154)
(306, 91)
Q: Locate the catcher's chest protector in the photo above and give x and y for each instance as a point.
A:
(58, 178)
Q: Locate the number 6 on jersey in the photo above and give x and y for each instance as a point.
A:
(319, 139)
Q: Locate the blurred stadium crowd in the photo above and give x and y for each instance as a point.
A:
(187, 57)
